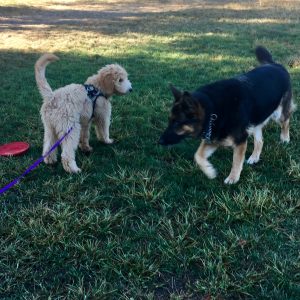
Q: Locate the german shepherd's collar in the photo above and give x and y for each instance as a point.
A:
(207, 132)
(227, 111)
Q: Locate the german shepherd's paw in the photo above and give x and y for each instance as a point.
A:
(252, 160)
(231, 179)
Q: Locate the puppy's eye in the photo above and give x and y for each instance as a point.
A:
(121, 80)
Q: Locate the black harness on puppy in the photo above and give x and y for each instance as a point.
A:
(93, 93)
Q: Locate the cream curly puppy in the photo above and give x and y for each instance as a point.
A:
(75, 106)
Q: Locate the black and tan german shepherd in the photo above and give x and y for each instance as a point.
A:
(227, 111)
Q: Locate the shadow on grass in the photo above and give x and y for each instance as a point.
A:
(118, 21)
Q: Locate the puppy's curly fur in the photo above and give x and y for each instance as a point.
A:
(70, 106)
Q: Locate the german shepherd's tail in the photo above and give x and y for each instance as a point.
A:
(41, 81)
(287, 103)
(263, 55)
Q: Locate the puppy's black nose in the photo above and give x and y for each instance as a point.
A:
(130, 90)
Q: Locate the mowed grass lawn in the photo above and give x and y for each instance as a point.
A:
(142, 221)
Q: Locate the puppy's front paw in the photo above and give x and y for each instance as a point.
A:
(231, 179)
(85, 148)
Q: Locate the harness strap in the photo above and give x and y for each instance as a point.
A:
(93, 93)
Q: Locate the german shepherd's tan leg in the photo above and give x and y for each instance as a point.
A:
(258, 145)
(285, 131)
(288, 107)
(203, 153)
(237, 163)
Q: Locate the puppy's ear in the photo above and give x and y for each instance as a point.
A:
(176, 93)
(107, 83)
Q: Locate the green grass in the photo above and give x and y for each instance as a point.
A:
(142, 221)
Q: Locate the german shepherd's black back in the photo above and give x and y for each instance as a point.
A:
(246, 100)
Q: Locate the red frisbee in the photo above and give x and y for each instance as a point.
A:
(14, 149)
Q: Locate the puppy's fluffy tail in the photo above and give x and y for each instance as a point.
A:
(41, 81)
(263, 55)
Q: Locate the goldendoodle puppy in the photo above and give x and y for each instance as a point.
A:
(75, 106)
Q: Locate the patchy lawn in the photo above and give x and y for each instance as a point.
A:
(142, 221)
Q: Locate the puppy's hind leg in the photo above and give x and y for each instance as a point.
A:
(49, 141)
(258, 145)
(69, 146)
(102, 120)
(237, 163)
(85, 136)
(201, 157)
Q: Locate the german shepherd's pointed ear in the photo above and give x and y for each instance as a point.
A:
(176, 93)
(188, 100)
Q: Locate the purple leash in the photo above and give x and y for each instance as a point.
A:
(35, 164)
